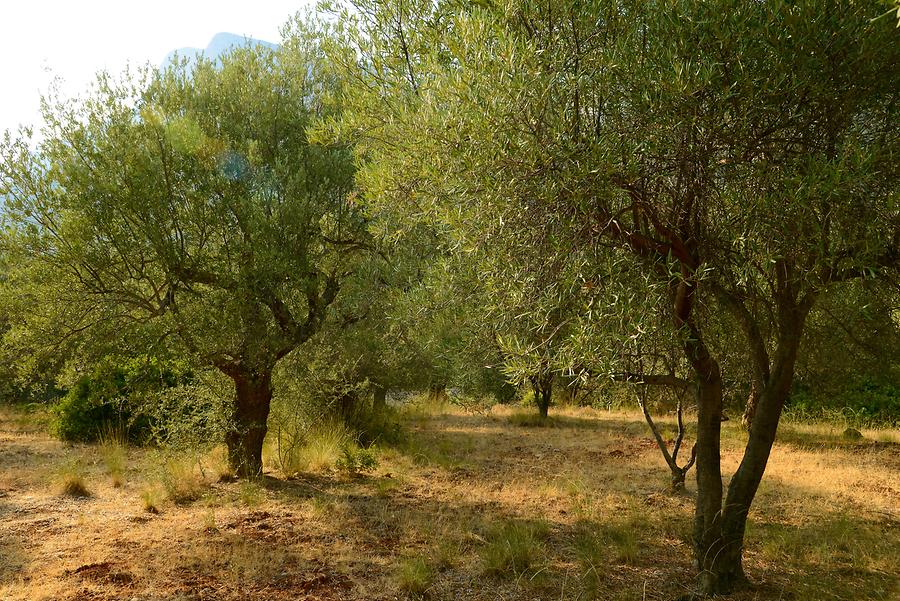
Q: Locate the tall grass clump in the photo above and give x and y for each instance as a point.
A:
(513, 548)
(113, 452)
(180, 479)
(591, 556)
(415, 576)
(71, 480)
(314, 449)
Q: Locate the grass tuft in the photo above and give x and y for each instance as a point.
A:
(113, 452)
(322, 447)
(74, 486)
(591, 556)
(415, 576)
(251, 494)
(181, 481)
(71, 480)
(151, 499)
(513, 548)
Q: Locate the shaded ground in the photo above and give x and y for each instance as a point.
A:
(590, 492)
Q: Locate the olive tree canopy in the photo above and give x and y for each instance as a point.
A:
(186, 204)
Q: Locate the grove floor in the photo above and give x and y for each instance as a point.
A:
(589, 491)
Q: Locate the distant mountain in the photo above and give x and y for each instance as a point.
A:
(218, 46)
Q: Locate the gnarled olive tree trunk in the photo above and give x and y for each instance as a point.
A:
(542, 386)
(719, 529)
(253, 398)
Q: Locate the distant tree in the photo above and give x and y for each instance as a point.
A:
(188, 205)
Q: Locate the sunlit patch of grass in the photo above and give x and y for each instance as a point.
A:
(151, 499)
(415, 576)
(29, 419)
(513, 548)
(209, 521)
(319, 451)
(245, 562)
(113, 451)
(180, 479)
(251, 494)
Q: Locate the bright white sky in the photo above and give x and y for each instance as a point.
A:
(40, 39)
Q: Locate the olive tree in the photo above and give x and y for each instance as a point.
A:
(188, 203)
(740, 156)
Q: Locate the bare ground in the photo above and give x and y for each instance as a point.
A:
(826, 524)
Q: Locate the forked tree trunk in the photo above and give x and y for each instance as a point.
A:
(719, 530)
(253, 398)
(542, 386)
(679, 473)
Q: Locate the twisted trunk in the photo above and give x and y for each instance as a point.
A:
(719, 531)
(253, 397)
(542, 386)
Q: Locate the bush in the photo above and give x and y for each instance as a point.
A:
(80, 416)
(864, 402)
(115, 396)
(356, 461)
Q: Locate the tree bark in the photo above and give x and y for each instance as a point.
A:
(708, 543)
(379, 399)
(543, 391)
(253, 399)
(752, 404)
(763, 429)
(437, 393)
(719, 537)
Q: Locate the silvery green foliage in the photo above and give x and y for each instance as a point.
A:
(192, 416)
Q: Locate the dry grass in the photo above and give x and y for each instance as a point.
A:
(114, 453)
(70, 478)
(314, 450)
(470, 507)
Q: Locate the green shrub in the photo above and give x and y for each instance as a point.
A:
(114, 395)
(864, 402)
(355, 460)
(79, 416)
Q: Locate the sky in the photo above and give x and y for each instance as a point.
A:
(73, 39)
